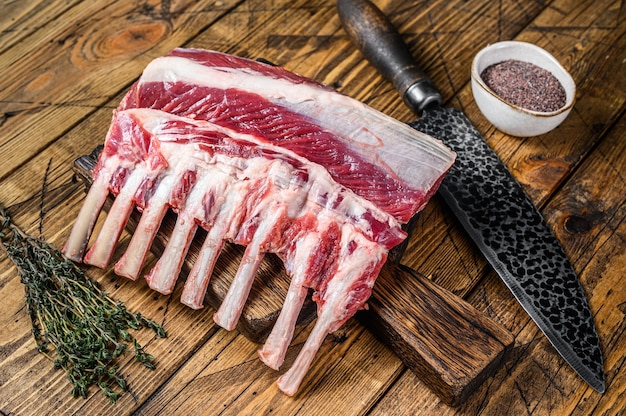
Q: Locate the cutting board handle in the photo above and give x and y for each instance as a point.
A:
(382, 45)
(449, 344)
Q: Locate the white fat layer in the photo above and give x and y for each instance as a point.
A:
(414, 157)
(230, 310)
(76, 243)
(320, 189)
(102, 249)
(130, 263)
(306, 247)
(349, 272)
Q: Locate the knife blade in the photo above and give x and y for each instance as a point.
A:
(488, 201)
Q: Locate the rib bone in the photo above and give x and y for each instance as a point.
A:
(263, 158)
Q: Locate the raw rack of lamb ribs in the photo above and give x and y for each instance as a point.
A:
(265, 158)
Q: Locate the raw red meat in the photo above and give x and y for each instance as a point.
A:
(267, 159)
(363, 149)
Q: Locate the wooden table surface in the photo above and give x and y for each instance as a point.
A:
(66, 64)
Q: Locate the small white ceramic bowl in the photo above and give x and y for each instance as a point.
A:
(508, 117)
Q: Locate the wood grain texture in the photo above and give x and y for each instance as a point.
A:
(21, 19)
(52, 110)
(70, 66)
(451, 346)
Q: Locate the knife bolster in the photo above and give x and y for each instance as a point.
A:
(422, 95)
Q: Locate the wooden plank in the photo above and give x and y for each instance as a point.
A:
(364, 371)
(592, 45)
(451, 346)
(20, 19)
(98, 125)
(69, 67)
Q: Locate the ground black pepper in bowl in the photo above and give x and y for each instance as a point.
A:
(525, 85)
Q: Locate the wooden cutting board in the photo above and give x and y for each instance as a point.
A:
(446, 342)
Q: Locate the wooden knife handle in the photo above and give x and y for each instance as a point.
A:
(450, 345)
(382, 45)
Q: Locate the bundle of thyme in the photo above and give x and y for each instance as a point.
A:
(87, 329)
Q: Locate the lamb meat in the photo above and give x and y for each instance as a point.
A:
(264, 158)
(377, 157)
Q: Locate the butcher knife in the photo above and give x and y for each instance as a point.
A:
(487, 200)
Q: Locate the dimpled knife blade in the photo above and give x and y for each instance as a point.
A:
(488, 201)
(513, 236)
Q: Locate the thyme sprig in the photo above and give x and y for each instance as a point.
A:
(71, 314)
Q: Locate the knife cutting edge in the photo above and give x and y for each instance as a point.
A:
(487, 200)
